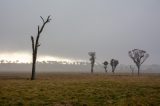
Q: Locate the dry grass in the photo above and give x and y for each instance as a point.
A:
(53, 89)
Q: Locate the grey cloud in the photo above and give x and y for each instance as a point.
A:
(109, 27)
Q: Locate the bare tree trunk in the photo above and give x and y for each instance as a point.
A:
(113, 70)
(106, 70)
(34, 66)
(33, 70)
(92, 68)
(138, 70)
(35, 46)
(33, 59)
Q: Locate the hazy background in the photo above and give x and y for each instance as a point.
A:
(109, 27)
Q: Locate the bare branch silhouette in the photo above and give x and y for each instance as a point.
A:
(105, 66)
(138, 57)
(36, 44)
(92, 59)
(114, 64)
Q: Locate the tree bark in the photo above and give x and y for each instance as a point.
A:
(33, 69)
(91, 68)
(35, 46)
(33, 59)
(138, 70)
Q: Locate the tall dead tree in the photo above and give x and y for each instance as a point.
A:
(114, 64)
(92, 59)
(138, 57)
(36, 44)
(105, 66)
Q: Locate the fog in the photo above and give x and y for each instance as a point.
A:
(109, 27)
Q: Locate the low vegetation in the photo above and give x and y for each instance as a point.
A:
(80, 90)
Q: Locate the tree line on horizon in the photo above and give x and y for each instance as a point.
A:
(138, 56)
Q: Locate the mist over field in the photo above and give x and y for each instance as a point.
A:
(80, 67)
(79, 53)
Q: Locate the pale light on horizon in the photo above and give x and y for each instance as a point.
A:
(27, 58)
(16, 57)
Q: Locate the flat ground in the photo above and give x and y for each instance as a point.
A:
(53, 89)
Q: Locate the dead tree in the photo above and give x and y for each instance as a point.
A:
(138, 57)
(105, 66)
(114, 64)
(36, 44)
(92, 59)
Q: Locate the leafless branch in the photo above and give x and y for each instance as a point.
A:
(42, 19)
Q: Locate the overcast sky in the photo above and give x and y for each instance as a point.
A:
(109, 27)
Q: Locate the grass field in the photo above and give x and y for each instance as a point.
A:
(53, 89)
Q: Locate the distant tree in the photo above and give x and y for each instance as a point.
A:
(138, 57)
(114, 64)
(2, 61)
(105, 65)
(36, 44)
(92, 59)
(132, 69)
